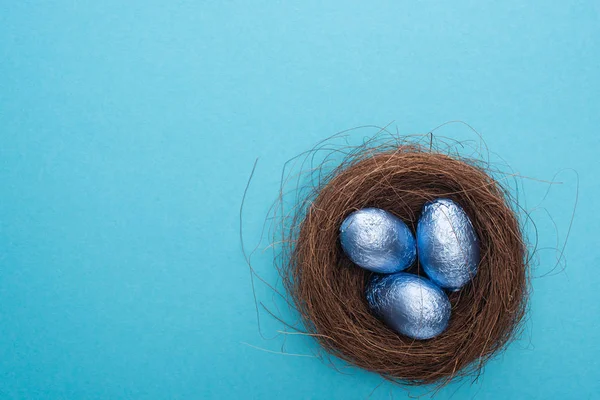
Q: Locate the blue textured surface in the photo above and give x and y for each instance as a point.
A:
(447, 243)
(377, 240)
(128, 130)
(409, 304)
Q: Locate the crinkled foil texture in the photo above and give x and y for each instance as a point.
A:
(409, 304)
(378, 241)
(447, 244)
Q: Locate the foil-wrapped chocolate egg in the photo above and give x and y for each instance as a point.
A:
(409, 304)
(447, 244)
(377, 240)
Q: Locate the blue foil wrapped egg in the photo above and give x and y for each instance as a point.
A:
(410, 305)
(378, 241)
(447, 244)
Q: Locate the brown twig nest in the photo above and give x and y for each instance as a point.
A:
(329, 291)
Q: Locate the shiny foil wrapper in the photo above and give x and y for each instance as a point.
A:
(378, 241)
(410, 305)
(447, 244)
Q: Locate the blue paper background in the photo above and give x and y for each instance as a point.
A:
(127, 134)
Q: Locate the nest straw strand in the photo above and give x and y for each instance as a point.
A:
(329, 291)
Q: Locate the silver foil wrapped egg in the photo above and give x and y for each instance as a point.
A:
(377, 240)
(409, 304)
(447, 244)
